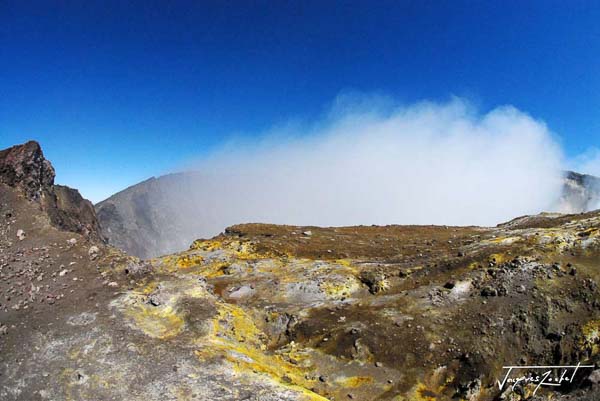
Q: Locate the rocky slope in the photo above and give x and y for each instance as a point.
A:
(152, 218)
(267, 312)
(144, 221)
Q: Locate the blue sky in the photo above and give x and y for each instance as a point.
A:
(119, 91)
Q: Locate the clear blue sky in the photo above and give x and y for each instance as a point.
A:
(119, 91)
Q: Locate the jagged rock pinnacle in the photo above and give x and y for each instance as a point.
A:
(25, 167)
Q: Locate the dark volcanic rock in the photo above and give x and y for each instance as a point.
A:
(25, 168)
(73, 212)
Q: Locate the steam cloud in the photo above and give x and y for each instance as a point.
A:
(429, 163)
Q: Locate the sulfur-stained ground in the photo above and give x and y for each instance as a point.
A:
(266, 312)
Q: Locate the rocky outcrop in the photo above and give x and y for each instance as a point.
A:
(25, 168)
(73, 212)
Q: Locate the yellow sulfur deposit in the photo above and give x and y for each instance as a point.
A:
(187, 261)
(156, 322)
(591, 336)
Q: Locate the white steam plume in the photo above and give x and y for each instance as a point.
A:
(428, 163)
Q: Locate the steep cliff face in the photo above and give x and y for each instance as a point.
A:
(24, 168)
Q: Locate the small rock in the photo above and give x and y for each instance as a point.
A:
(3, 329)
(242, 292)
(113, 284)
(153, 300)
(378, 364)
(93, 252)
(308, 233)
(72, 241)
(323, 379)
(63, 272)
(20, 234)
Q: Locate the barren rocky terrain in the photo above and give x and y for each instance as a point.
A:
(265, 312)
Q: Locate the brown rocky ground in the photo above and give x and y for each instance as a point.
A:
(266, 312)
